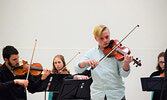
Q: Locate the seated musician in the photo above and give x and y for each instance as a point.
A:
(160, 72)
(59, 67)
(12, 87)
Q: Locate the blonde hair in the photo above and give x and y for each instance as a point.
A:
(98, 30)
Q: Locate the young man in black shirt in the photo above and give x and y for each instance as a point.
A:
(12, 87)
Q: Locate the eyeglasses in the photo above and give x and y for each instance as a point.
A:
(161, 62)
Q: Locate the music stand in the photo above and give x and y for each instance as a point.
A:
(75, 90)
(53, 83)
(152, 84)
(56, 82)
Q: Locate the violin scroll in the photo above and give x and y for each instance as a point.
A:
(136, 61)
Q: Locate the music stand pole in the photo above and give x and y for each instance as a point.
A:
(45, 95)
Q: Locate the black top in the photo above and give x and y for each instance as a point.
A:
(164, 88)
(156, 94)
(57, 82)
(11, 91)
(156, 73)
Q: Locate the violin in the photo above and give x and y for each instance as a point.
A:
(35, 69)
(162, 74)
(119, 51)
(64, 71)
(61, 71)
(116, 46)
(0, 65)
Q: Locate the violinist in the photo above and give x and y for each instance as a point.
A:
(59, 67)
(12, 87)
(160, 72)
(107, 76)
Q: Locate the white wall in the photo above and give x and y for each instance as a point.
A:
(66, 27)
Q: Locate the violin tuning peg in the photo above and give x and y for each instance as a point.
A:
(139, 60)
(136, 58)
(133, 63)
(136, 65)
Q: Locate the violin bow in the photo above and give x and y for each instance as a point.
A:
(69, 61)
(31, 59)
(115, 47)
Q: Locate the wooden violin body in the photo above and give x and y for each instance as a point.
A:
(119, 51)
(117, 55)
(162, 74)
(64, 70)
(0, 65)
(35, 69)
